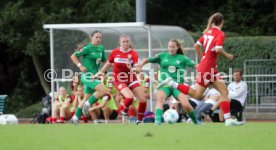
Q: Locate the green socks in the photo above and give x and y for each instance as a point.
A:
(158, 116)
(92, 99)
(192, 116)
(78, 112)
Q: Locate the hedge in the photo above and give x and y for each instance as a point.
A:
(260, 47)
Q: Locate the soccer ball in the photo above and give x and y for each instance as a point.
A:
(171, 116)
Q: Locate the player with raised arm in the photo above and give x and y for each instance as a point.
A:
(172, 64)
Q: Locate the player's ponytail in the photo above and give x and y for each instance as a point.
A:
(216, 19)
(179, 44)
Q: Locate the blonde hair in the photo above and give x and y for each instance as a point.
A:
(130, 41)
(180, 44)
(216, 19)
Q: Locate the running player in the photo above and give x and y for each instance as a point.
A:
(212, 42)
(124, 59)
(93, 54)
(173, 64)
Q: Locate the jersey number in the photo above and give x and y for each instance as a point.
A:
(207, 41)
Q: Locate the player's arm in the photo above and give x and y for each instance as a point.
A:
(198, 50)
(67, 102)
(99, 106)
(75, 102)
(221, 51)
(219, 47)
(106, 66)
(75, 59)
(140, 65)
(154, 59)
(235, 94)
(190, 63)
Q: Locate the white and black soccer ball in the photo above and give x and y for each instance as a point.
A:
(171, 116)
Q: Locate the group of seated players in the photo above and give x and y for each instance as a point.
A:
(206, 109)
(65, 104)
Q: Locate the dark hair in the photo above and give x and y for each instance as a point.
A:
(94, 32)
(215, 19)
(71, 83)
(179, 44)
(238, 70)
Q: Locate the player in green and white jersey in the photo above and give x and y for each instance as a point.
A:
(172, 64)
(93, 55)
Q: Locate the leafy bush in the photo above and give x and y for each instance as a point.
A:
(29, 111)
(260, 47)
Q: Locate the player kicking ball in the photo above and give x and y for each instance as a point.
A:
(212, 42)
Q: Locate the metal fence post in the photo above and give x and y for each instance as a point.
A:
(257, 94)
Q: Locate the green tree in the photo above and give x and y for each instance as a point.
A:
(26, 44)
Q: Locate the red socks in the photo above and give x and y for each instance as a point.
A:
(121, 107)
(127, 103)
(225, 107)
(183, 88)
(131, 111)
(54, 120)
(141, 110)
(61, 118)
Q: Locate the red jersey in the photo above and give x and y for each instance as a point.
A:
(122, 62)
(211, 40)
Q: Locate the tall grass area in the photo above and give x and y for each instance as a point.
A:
(251, 136)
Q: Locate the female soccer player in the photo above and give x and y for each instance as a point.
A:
(93, 54)
(107, 108)
(212, 41)
(123, 59)
(172, 64)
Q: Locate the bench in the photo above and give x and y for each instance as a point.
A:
(3, 99)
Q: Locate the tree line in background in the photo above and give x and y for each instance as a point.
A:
(25, 45)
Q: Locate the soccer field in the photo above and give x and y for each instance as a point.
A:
(251, 136)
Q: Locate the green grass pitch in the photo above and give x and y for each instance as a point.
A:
(210, 136)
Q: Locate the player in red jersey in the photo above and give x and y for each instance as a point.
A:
(124, 59)
(212, 42)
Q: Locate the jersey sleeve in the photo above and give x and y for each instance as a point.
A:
(156, 58)
(189, 63)
(111, 57)
(200, 41)
(82, 52)
(219, 41)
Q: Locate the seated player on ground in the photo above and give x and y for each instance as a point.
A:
(78, 96)
(106, 107)
(62, 101)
